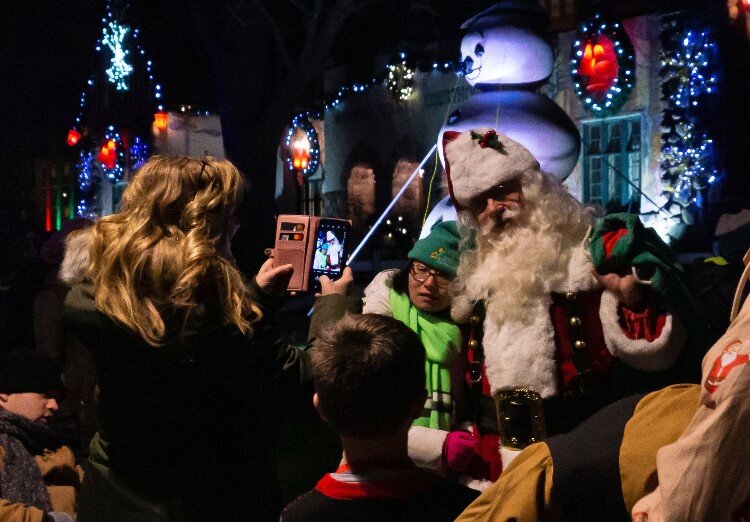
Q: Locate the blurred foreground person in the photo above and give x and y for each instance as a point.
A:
(369, 373)
(185, 351)
(39, 479)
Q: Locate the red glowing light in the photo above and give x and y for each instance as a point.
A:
(108, 154)
(599, 63)
(301, 154)
(73, 137)
(161, 119)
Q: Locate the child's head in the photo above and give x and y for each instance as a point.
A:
(369, 375)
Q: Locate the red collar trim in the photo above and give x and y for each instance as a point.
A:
(403, 483)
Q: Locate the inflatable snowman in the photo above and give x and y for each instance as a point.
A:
(505, 55)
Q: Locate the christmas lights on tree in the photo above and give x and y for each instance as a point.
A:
(113, 37)
(114, 121)
(688, 79)
(400, 80)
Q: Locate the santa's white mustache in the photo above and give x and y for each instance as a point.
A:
(510, 211)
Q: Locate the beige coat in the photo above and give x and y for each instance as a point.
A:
(705, 474)
(62, 477)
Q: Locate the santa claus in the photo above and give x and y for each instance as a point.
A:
(552, 339)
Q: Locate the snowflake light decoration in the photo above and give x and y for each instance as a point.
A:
(113, 37)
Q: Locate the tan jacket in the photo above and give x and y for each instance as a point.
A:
(62, 477)
(705, 474)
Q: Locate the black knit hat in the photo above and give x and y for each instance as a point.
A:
(23, 371)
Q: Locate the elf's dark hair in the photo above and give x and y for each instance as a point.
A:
(369, 373)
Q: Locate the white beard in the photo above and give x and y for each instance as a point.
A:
(515, 273)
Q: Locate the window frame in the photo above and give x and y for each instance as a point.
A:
(626, 157)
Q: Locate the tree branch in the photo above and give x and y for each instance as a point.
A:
(276, 33)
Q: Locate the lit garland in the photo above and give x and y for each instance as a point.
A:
(86, 185)
(302, 122)
(432, 66)
(604, 99)
(113, 36)
(687, 151)
(400, 79)
(139, 153)
(123, 56)
(117, 172)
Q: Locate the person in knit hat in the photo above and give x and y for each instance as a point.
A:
(420, 296)
(561, 322)
(38, 475)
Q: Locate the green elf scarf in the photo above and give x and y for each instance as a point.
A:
(442, 342)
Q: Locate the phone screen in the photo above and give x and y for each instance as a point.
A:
(329, 256)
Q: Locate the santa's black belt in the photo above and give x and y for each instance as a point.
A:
(520, 417)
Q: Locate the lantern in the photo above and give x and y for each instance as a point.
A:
(108, 154)
(73, 137)
(301, 153)
(599, 64)
(160, 121)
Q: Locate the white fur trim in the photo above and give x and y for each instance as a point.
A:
(426, 447)
(522, 355)
(75, 263)
(476, 484)
(653, 356)
(507, 456)
(376, 299)
(474, 169)
(461, 309)
(580, 272)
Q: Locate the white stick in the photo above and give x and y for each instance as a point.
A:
(390, 205)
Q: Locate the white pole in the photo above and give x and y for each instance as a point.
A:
(390, 205)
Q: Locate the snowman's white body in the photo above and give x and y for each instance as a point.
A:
(505, 61)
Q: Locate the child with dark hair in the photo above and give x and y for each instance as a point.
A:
(369, 373)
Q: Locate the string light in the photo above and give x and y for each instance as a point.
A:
(400, 80)
(687, 156)
(113, 37)
(123, 56)
(302, 122)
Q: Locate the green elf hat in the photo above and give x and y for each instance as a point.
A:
(439, 250)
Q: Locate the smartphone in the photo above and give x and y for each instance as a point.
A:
(314, 246)
(330, 253)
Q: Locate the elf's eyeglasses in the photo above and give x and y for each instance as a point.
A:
(421, 272)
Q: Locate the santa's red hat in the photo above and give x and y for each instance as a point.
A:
(478, 160)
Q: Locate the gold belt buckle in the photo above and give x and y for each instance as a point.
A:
(520, 417)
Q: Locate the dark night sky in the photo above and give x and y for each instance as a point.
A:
(47, 54)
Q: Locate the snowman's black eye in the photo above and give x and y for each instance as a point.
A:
(479, 50)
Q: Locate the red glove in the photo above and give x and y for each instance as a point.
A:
(458, 449)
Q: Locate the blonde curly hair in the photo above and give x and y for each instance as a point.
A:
(162, 263)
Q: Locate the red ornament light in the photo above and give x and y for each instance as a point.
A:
(108, 154)
(599, 63)
(73, 137)
(301, 154)
(161, 119)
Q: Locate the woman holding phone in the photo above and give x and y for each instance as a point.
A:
(186, 354)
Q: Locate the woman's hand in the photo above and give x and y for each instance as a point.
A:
(274, 280)
(341, 286)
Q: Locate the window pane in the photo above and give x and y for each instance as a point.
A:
(634, 143)
(615, 137)
(595, 140)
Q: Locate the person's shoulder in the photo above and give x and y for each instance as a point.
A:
(448, 497)
(312, 505)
